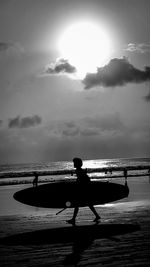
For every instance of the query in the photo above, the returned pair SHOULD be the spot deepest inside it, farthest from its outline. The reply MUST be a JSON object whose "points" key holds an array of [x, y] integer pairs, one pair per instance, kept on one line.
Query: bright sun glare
{"points": [[86, 46]]}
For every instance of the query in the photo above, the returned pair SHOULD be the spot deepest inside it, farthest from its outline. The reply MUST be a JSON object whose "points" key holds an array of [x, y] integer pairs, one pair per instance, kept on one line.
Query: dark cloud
{"points": [[76, 130], [61, 66], [89, 132], [71, 131], [70, 124], [14, 47], [70, 128], [88, 126], [80, 128], [1, 122], [80, 131], [117, 72], [139, 48], [25, 122], [147, 97], [4, 46]]}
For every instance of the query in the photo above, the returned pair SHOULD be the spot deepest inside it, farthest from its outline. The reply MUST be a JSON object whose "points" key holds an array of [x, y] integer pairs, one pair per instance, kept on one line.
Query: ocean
{"points": [[65, 165]]}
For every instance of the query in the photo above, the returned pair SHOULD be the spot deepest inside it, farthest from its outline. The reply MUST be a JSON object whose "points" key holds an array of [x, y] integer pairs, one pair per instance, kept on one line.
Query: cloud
{"points": [[4, 46], [109, 124], [89, 132], [1, 122], [70, 128], [61, 66], [25, 122], [71, 132], [147, 97], [117, 72], [78, 128], [11, 47], [139, 48]]}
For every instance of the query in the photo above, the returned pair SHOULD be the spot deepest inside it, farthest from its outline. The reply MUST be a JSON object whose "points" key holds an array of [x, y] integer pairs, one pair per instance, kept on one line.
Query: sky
{"points": [[70, 89]]}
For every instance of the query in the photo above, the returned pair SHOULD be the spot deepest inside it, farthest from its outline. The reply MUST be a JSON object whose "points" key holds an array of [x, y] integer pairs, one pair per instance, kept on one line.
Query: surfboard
{"points": [[70, 194]]}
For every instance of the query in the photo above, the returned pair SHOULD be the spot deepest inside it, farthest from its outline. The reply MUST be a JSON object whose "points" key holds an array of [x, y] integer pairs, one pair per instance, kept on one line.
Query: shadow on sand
{"points": [[81, 237]]}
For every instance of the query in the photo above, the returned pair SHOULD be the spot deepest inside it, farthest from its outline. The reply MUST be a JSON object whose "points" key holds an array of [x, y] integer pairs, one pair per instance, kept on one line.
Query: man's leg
{"points": [[72, 221], [95, 213], [76, 209]]}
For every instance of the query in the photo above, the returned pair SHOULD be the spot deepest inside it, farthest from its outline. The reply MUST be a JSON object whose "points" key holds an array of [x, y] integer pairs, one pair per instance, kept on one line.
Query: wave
{"points": [[97, 169]]}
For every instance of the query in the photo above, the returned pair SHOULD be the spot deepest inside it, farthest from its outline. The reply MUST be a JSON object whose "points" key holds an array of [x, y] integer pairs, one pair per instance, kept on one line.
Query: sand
{"points": [[37, 237]]}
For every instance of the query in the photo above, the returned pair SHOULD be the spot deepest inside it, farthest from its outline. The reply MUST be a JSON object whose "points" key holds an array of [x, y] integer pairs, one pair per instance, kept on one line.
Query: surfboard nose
{"points": [[17, 196]]}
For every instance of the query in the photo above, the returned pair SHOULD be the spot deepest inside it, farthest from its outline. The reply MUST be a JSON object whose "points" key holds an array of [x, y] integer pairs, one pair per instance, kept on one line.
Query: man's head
{"points": [[77, 162]]}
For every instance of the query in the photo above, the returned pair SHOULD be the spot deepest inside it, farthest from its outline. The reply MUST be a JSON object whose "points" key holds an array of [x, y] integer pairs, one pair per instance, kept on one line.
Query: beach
{"points": [[74, 133], [32, 236]]}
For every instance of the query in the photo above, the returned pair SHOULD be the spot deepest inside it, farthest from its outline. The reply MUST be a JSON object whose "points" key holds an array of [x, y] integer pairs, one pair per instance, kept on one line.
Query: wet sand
{"points": [[37, 237]]}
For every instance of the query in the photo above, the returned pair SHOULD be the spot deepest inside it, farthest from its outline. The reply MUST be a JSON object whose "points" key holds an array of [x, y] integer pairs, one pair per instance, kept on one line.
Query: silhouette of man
{"points": [[35, 180], [83, 180]]}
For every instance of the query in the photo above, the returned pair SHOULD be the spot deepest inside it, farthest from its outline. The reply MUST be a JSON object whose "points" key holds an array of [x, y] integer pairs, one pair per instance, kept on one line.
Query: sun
{"points": [[86, 46]]}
